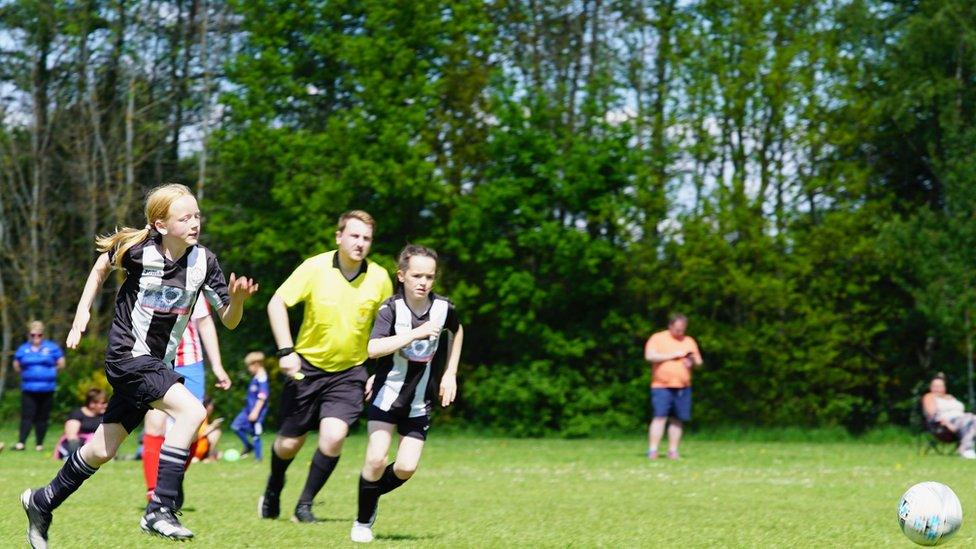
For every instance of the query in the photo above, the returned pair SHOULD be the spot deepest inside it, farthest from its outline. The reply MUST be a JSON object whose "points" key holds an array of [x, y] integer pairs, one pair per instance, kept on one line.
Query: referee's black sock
{"points": [[74, 471], [369, 498], [169, 483], [389, 481], [276, 480], [319, 472]]}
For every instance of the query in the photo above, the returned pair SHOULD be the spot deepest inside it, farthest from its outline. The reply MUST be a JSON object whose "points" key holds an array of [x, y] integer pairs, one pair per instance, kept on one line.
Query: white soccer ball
{"points": [[929, 513]]}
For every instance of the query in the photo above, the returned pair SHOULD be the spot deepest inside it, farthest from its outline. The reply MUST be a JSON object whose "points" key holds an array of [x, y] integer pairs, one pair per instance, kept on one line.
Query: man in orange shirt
{"points": [[672, 355]]}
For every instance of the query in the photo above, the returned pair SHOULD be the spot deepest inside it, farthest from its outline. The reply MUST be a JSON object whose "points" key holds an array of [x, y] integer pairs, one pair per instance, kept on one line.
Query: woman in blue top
{"points": [[38, 362]]}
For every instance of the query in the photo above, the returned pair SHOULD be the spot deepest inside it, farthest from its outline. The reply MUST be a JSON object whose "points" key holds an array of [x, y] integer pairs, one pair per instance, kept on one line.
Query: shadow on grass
{"points": [[405, 537], [348, 519], [187, 509]]}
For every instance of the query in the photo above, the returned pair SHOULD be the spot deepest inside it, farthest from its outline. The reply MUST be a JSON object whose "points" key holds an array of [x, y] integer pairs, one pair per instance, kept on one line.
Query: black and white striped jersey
{"points": [[406, 380], [156, 300]]}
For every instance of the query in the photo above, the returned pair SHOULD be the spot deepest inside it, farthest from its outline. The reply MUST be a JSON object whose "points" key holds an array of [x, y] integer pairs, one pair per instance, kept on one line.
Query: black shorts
{"points": [[136, 383], [413, 427], [321, 394]]}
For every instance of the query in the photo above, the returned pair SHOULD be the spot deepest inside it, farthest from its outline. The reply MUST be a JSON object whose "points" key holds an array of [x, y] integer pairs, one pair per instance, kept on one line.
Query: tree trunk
{"points": [[969, 359], [205, 114], [39, 140], [6, 330]]}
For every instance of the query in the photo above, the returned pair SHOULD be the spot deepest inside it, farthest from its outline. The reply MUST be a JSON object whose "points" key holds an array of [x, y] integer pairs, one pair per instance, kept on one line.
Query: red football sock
{"points": [[150, 460]]}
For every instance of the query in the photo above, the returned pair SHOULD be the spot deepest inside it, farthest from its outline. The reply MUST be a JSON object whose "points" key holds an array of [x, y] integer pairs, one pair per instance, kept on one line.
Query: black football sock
{"points": [[389, 481], [169, 483], [276, 480], [74, 471], [318, 472], [369, 498]]}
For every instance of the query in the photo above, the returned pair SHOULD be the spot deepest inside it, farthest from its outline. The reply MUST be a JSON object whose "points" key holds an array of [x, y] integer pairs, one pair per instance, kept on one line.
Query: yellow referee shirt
{"points": [[338, 313]]}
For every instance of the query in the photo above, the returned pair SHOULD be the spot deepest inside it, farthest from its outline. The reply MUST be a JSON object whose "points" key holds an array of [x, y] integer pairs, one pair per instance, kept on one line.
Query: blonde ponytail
{"points": [[120, 241], [158, 203]]}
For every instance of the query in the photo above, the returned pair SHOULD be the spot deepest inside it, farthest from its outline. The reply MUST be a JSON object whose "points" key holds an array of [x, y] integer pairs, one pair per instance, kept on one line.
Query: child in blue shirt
{"points": [[248, 423]]}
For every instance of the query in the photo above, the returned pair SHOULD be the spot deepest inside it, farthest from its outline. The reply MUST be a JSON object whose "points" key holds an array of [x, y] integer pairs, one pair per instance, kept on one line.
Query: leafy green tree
{"points": [[344, 105], [919, 138]]}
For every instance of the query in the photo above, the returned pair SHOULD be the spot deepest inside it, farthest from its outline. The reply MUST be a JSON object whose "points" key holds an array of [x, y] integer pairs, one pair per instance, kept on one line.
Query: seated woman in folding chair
{"points": [[941, 408]]}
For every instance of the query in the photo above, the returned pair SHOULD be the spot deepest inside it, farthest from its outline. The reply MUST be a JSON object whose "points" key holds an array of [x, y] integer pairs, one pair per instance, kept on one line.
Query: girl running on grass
{"points": [[405, 339], [165, 271]]}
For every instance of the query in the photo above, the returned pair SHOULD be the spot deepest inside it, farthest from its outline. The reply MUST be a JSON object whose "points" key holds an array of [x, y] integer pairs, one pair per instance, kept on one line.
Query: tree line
{"points": [[795, 176]]}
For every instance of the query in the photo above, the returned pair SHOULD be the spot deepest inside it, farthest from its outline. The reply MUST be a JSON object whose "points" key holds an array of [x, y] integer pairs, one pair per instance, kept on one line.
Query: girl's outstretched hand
{"points": [[241, 288]]}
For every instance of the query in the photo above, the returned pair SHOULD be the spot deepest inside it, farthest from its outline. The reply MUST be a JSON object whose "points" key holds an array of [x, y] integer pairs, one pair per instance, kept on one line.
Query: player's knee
{"points": [[331, 444], [375, 464], [98, 455], [195, 413], [405, 470], [286, 448]]}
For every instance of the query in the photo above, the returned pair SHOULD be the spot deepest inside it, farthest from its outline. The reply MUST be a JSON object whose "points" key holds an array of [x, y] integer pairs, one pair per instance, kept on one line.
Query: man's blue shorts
{"points": [[671, 402], [194, 378]]}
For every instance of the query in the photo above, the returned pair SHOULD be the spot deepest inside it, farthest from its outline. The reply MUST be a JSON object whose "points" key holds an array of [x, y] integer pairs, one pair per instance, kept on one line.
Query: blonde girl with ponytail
{"points": [[166, 269]]}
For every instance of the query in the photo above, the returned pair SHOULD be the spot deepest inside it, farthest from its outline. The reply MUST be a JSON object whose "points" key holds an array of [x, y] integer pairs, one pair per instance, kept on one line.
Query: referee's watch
{"points": [[284, 352]]}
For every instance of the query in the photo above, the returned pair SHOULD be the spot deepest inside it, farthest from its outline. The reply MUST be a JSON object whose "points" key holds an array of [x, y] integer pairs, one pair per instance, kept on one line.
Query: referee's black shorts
{"points": [[321, 394]]}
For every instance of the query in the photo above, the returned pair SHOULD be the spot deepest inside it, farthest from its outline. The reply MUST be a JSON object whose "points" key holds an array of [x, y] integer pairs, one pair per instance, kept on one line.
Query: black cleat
{"points": [[163, 522], [269, 505], [303, 513], [38, 521]]}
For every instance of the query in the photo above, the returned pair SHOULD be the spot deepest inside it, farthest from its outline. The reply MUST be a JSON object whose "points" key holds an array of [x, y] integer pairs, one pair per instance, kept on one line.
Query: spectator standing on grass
{"points": [[672, 354], [38, 362]]}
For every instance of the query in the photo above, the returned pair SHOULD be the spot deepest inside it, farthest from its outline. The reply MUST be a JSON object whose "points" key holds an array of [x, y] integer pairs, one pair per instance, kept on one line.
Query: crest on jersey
{"points": [[420, 350], [166, 299]]}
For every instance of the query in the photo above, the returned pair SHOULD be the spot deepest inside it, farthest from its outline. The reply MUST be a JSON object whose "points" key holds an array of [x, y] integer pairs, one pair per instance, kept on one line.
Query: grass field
{"points": [[483, 492]]}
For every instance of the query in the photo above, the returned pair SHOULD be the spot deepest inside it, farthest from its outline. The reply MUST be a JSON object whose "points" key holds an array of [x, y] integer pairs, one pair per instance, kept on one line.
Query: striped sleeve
{"points": [[452, 323], [385, 316], [214, 286]]}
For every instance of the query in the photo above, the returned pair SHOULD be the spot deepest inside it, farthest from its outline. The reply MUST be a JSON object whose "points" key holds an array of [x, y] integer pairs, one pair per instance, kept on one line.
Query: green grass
{"points": [[493, 492]]}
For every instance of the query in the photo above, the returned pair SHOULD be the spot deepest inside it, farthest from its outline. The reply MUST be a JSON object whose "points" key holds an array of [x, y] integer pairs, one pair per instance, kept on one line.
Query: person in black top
{"points": [[406, 338], [82, 423], [165, 271]]}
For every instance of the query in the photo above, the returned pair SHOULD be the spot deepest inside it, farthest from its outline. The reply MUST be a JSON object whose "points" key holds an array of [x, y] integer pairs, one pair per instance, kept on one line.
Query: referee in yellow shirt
{"points": [[326, 377]]}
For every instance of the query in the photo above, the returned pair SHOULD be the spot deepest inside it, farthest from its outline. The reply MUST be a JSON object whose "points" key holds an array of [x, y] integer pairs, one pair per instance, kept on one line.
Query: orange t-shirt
{"points": [[671, 373]]}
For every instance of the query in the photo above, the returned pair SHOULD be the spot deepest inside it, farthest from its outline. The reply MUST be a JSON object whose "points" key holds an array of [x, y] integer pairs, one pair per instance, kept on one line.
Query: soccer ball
{"points": [[929, 513], [231, 455]]}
